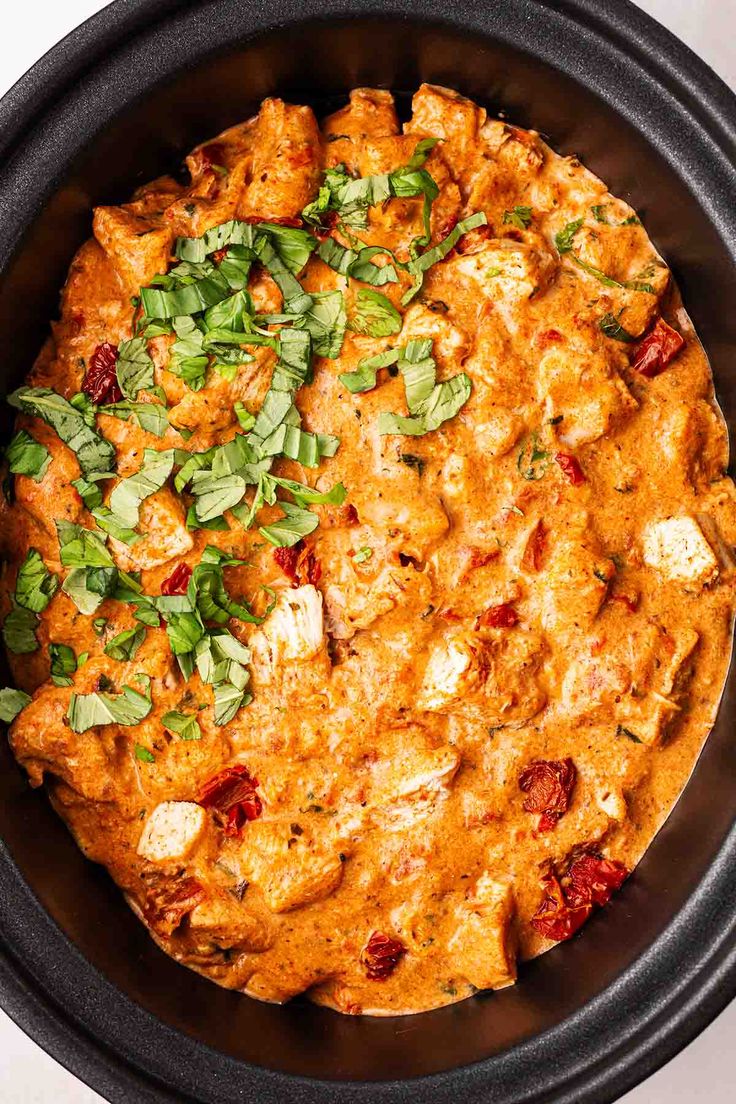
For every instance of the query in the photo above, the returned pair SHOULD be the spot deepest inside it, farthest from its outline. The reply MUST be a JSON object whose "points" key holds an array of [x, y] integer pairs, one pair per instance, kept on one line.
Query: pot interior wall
{"points": [[317, 63]]}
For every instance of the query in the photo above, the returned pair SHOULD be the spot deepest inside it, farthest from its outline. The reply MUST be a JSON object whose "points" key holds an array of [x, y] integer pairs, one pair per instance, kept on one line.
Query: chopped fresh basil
{"points": [[326, 321], [63, 664], [374, 315], [35, 585], [611, 327], [92, 451], [564, 238], [183, 724], [430, 403], [520, 217], [365, 375], [288, 530], [80, 547], [26, 456], [128, 708], [621, 731], [532, 461], [246, 420], [363, 554], [599, 213], [419, 265], [11, 703], [358, 264], [89, 491], [143, 754], [151, 417], [19, 630], [124, 646], [564, 242], [134, 367], [129, 493]]}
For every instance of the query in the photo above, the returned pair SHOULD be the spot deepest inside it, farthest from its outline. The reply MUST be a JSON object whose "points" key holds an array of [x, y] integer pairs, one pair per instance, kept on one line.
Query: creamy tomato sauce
{"points": [[418, 723]]}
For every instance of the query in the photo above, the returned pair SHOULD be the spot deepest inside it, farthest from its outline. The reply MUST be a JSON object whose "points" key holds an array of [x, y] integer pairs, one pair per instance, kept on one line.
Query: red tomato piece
{"points": [[570, 468], [233, 797], [659, 347], [499, 617], [178, 580], [548, 784], [101, 381], [593, 880], [381, 955]]}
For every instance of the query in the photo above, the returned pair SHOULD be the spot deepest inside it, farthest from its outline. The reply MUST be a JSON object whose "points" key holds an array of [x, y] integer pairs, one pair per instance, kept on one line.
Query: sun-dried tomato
{"points": [[570, 468], [101, 380], [548, 784], [277, 220], [381, 955], [556, 918], [287, 559], [593, 880], [658, 348], [178, 580], [498, 617], [232, 795], [299, 564], [169, 903], [533, 557]]}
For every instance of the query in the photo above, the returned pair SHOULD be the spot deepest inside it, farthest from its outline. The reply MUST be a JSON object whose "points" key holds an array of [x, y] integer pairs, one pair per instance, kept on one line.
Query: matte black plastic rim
{"points": [[680, 983]]}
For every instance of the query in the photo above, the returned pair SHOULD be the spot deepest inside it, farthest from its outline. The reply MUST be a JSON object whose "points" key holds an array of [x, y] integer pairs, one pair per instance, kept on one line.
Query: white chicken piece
{"points": [[509, 272], [410, 786], [450, 344], [677, 549], [585, 391], [172, 831], [294, 629], [165, 535], [291, 871], [482, 945], [494, 674]]}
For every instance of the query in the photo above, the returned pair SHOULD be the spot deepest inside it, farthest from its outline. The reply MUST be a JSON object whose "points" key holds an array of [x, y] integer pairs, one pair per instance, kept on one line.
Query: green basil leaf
{"points": [[564, 238], [129, 493], [151, 417], [246, 420], [183, 724], [26, 456], [128, 708], [88, 586], [419, 265], [184, 630], [111, 524], [11, 703], [143, 754], [532, 461], [228, 700], [187, 358], [293, 245], [63, 664], [375, 315], [364, 377], [19, 630], [326, 321], [89, 491], [35, 585], [599, 213], [80, 547], [190, 298], [124, 646], [295, 524], [134, 367], [611, 327], [93, 452], [520, 217]]}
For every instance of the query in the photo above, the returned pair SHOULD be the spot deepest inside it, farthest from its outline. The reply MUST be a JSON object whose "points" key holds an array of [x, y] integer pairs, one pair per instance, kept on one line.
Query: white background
{"points": [[707, 1068]]}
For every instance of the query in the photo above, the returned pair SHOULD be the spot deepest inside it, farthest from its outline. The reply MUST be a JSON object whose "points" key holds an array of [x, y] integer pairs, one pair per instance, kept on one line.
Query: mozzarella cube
{"points": [[294, 629], [677, 549], [172, 831]]}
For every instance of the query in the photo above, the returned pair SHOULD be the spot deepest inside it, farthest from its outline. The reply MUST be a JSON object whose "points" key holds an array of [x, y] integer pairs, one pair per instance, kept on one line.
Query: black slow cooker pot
{"points": [[115, 104]]}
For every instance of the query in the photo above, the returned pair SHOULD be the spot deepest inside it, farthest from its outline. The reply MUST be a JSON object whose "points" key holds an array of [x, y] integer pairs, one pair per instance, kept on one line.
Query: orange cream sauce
{"points": [[391, 720]]}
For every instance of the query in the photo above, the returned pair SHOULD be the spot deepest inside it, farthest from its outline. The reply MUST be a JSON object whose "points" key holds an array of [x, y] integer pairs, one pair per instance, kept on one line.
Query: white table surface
{"points": [[707, 1068]]}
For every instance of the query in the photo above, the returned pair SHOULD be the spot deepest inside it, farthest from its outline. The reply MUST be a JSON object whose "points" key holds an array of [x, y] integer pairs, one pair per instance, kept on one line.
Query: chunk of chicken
{"points": [[509, 273], [677, 549], [165, 535], [371, 111], [482, 944], [585, 391], [443, 113], [290, 870], [285, 162], [494, 675], [137, 249], [172, 831]]}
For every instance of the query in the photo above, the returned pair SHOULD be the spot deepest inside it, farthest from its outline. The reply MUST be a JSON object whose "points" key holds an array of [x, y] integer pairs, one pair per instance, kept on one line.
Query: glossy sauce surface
{"points": [[489, 671]]}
